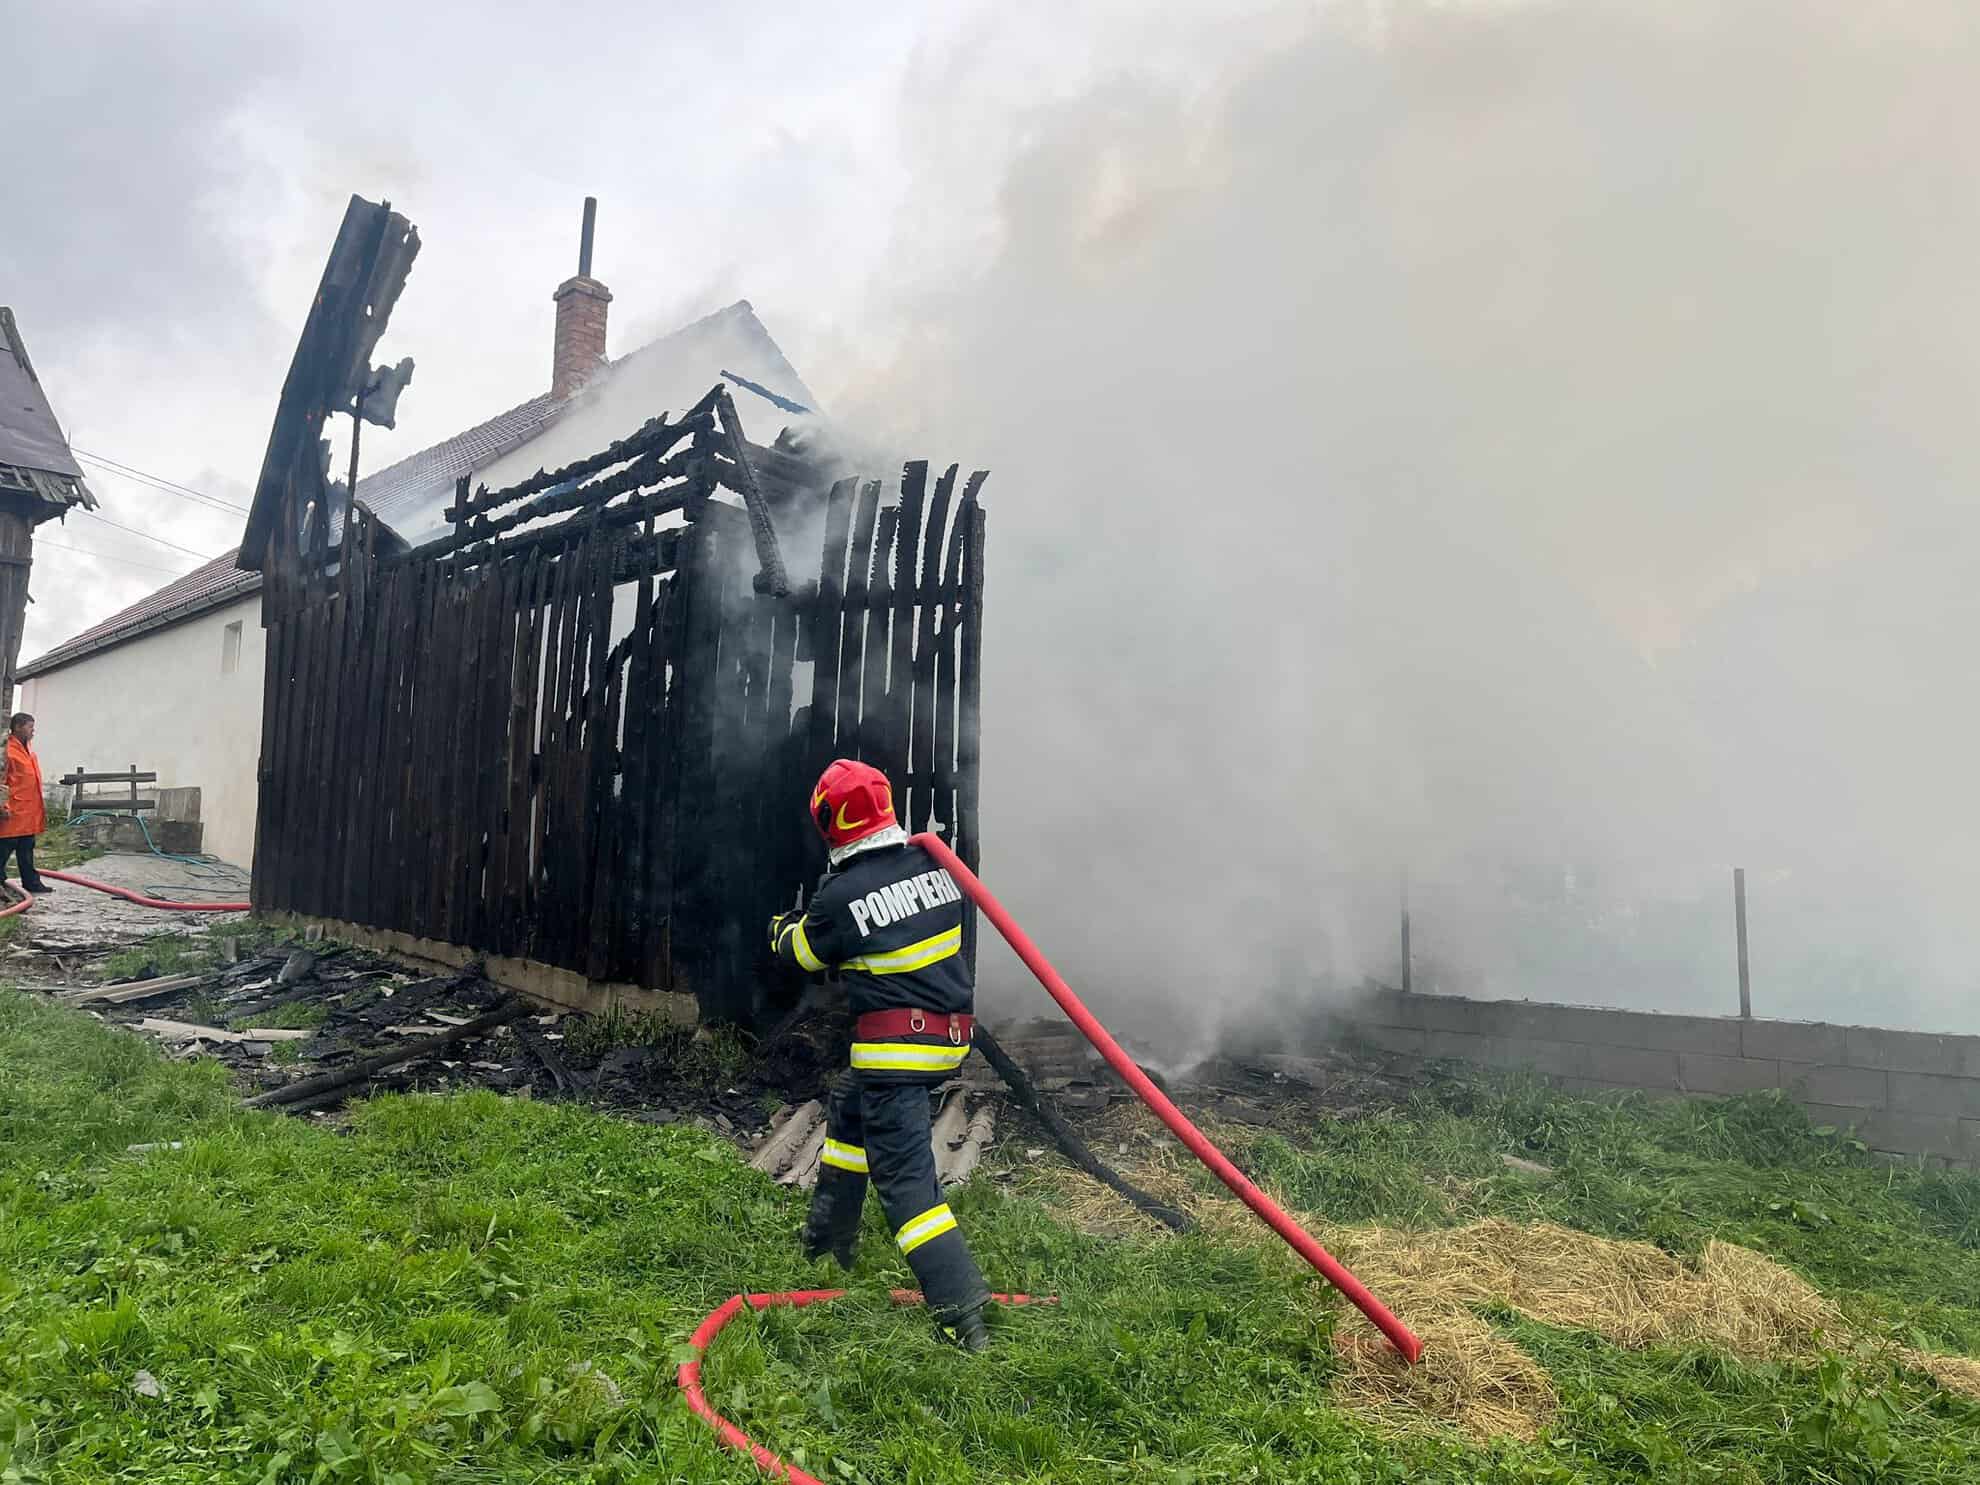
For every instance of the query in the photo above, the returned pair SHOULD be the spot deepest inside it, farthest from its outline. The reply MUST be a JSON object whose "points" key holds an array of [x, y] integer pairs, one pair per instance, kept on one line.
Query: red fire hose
{"points": [[27, 897], [142, 901], [1301, 1241], [688, 1377]]}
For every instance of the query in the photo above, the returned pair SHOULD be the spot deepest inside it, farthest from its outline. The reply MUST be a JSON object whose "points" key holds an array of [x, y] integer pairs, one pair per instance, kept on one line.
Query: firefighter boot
{"points": [[832, 1224], [967, 1330]]}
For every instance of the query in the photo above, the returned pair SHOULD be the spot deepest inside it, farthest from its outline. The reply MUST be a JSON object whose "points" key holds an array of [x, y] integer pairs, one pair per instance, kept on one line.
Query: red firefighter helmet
{"points": [[851, 802]]}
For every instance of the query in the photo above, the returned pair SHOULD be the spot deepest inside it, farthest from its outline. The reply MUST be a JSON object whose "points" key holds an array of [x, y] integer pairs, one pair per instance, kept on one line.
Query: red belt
{"points": [[879, 1025]]}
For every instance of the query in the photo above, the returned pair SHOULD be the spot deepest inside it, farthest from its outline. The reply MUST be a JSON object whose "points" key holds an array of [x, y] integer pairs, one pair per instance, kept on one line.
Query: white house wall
{"points": [[165, 702]]}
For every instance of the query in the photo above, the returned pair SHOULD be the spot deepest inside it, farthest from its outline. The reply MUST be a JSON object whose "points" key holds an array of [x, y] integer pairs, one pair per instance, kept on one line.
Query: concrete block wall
{"points": [[1903, 1092]]}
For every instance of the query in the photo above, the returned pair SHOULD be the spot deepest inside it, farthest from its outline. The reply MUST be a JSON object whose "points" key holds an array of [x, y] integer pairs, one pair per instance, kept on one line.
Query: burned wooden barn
{"points": [[579, 729]]}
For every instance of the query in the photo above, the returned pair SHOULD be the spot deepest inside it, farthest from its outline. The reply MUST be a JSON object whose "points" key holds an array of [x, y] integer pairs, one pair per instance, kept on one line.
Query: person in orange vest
{"points": [[23, 815]]}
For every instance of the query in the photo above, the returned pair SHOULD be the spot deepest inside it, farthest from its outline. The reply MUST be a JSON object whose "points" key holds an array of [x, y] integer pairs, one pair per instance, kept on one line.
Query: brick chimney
{"points": [[581, 302]]}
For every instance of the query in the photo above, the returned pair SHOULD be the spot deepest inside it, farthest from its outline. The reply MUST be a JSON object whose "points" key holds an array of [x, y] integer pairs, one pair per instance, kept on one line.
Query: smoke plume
{"points": [[1527, 447]]}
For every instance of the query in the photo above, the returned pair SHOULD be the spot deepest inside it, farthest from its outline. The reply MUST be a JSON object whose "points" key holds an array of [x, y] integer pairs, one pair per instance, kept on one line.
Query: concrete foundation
{"points": [[1903, 1092], [124, 833], [544, 982]]}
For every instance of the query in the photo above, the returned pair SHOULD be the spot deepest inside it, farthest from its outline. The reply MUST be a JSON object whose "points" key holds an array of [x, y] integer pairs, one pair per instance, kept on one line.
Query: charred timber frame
{"points": [[459, 743]]}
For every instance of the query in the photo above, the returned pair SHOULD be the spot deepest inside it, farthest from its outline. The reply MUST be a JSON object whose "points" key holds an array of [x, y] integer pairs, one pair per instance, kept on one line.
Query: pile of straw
{"points": [[1631, 1294], [1471, 1376]]}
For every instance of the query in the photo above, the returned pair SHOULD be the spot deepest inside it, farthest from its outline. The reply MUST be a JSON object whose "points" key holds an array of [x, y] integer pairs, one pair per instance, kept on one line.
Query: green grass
{"points": [[698, 1059], [57, 848], [1896, 1246], [432, 1293]]}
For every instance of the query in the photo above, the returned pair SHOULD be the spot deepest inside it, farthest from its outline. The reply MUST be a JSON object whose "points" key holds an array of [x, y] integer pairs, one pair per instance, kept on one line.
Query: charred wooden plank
{"points": [[443, 755], [522, 749], [948, 607], [900, 650], [772, 578], [595, 765], [670, 478], [333, 797], [773, 820], [308, 637], [269, 838], [560, 1075], [388, 750], [654, 433], [969, 756], [543, 924], [805, 597], [588, 751], [826, 619], [754, 885], [409, 816], [852, 649], [346, 812], [455, 659], [921, 748], [491, 754], [365, 739], [359, 669], [370, 1067], [607, 843], [492, 794], [728, 847], [308, 796], [665, 785], [701, 576], [635, 799], [873, 717], [1067, 1138], [969, 839], [272, 686]]}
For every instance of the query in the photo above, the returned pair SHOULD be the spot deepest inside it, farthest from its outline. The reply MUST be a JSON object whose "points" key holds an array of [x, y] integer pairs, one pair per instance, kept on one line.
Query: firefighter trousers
{"points": [[880, 1127]]}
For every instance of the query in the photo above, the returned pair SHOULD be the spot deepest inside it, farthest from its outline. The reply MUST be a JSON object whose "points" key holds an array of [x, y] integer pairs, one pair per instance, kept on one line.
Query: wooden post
{"points": [[1407, 979], [344, 541], [1739, 925], [17, 516]]}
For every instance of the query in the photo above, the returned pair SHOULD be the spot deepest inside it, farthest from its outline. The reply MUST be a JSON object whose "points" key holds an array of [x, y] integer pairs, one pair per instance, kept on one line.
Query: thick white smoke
{"points": [[1530, 446]]}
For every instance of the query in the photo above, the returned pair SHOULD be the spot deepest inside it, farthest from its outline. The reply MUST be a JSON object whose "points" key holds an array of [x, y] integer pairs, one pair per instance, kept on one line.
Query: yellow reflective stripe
{"points": [[845, 1157], [801, 946], [930, 1224], [907, 1057], [914, 956]]}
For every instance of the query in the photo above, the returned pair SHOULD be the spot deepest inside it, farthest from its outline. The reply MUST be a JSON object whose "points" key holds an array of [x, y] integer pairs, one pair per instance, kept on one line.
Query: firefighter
{"points": [[889, 921]]}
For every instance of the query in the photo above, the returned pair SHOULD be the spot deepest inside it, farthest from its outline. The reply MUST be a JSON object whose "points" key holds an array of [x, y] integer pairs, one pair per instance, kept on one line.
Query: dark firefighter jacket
{"points": [[889, 921]]}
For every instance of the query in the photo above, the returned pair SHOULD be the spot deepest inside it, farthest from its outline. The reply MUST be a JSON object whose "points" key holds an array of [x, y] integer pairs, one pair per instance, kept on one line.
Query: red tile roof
{"points": [[397, 490], [398, 493], [206, 587]]}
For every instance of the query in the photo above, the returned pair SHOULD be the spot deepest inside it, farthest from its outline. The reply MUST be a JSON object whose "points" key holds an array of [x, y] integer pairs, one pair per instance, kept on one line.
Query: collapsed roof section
{"points": [[299, 514], [294, 501], [675, 371]]}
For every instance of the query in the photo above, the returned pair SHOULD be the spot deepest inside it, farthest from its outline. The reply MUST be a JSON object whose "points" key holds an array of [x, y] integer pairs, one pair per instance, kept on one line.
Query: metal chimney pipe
{"points": [[584, 244]]}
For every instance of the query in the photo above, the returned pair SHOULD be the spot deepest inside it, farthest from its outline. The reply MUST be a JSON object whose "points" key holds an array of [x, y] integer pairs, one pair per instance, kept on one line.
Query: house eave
{"points": [[179, 613]]}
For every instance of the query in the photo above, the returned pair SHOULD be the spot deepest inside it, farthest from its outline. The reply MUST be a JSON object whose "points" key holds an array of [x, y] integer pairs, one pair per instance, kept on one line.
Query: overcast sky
{"points": [[175, 175]]}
